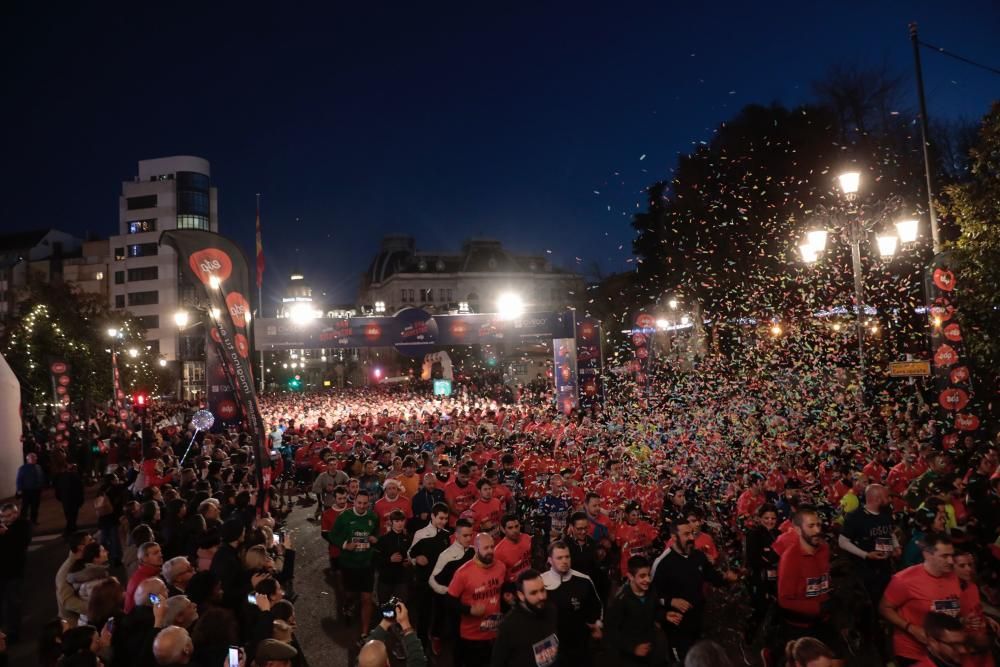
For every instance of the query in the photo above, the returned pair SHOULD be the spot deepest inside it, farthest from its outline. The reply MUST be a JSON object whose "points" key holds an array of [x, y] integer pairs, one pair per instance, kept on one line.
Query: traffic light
{"points": [[139, 403], [295, 383]]}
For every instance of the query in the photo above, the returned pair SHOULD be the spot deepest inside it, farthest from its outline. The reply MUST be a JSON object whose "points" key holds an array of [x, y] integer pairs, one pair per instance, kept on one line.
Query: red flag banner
{"points": [[216, 263]]}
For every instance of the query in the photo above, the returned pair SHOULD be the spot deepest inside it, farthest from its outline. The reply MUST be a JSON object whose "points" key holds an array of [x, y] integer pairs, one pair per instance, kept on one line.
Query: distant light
{"points": [[850, 182], [775, 330], [301, 313], [662, 324], [163, 363], [377, 372], [809, 255], [937, 322], [133, 352], [510, 306], [908, 230], [216, 313], [181, 318], [836, 326], [214, 282], [817, 239], [295, 364], [284, 365], [685, 319], [886, 246], [112, 332], [380, 306], [463, 307], [323, 358], [673, 304]]}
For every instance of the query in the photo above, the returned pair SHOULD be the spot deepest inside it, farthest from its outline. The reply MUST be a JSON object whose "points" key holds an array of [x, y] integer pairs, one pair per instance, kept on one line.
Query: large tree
{"points": [[975, 205], [60, 322]]}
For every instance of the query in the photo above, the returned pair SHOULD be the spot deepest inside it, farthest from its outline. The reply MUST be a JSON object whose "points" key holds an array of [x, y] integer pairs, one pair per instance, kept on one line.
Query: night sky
{"points": [[538, 123]]}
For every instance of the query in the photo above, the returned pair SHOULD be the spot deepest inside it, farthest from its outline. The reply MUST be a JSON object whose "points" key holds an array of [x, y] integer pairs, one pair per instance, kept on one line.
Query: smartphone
{"points": [[154, 599], [252, 599], [276, 539], [111, 624], [234, 656]]}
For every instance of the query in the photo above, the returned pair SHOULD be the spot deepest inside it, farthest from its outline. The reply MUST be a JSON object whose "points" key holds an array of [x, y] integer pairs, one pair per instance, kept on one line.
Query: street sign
{"points": [[904, 369]]}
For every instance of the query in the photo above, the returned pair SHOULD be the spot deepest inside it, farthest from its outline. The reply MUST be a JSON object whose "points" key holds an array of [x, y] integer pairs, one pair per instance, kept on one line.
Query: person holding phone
{"points": [[374, 653]]}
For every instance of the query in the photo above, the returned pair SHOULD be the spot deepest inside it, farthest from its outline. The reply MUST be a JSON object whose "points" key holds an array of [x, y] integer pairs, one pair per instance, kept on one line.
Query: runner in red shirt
{"points": [[486, 511], [514, 550], [917, 590], [392, 500], [330, 514], [751, 499], [977, 624], [475, 589], [460, 493]]}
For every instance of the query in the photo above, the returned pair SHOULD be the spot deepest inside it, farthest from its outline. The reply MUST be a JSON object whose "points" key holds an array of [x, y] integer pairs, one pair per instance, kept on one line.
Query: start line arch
{"points": [[576, 344]]}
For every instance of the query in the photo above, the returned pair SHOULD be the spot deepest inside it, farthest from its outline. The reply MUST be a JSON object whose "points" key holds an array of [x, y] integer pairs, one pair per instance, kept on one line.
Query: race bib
{"points": [[360, 542], [816, 586], [546, 651], [883, 545], [490, 623], [950, 606]]}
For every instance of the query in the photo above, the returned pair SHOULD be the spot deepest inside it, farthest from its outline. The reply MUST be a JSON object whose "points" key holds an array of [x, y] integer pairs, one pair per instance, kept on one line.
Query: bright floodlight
{"points": [[907, 230], [112, 332], [181, 318], [775, 329], [817, 239], [301, 312], [214, 282], [850, 182], [380, 306], [886, 246], [510, 306], [132, 352], [808, 253], [673, 304], [662, 324], [163, 363]]}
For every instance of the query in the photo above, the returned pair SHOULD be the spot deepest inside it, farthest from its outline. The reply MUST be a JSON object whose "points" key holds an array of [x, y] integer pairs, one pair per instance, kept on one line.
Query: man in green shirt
{"points": [[355, 531]]}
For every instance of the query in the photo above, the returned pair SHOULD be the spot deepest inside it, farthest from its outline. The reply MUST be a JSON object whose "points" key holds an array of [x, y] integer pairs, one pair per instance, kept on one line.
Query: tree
{"points": [[60, 322], [975, 206]]}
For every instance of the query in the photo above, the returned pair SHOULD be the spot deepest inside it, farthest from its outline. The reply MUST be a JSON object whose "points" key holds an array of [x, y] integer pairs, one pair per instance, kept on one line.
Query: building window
{"points": [[426, 295], [153, 346], [119, 300], [119, 277], [143, 298], [149, 322], [409, 293], [145, 273], [446, 295], [119, 254], [192, 222], [99, 275], [191, 201], [145, 201], [143, 249], [140, 226], [192, 180]]}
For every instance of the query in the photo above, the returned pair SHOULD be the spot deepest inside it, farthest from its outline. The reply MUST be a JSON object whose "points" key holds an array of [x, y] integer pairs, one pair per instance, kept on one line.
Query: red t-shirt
{"points": [[384, 506], [515, 556], [459, 499], [474, 584], [804, 579], [748, 503], [326, 525], [638, 536], [485, 511], [913, 592]]}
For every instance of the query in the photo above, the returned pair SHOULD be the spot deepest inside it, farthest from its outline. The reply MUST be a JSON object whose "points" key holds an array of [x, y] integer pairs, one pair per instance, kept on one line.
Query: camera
{"points": [[389, 608]]}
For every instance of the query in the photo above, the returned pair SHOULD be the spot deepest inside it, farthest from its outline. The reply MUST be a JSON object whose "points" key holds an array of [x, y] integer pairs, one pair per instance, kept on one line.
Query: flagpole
{"points": [[260, 306]]}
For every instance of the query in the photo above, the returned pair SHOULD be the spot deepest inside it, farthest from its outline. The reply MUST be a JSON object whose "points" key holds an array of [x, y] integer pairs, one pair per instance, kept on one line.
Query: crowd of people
{"points": [[758, 507]]}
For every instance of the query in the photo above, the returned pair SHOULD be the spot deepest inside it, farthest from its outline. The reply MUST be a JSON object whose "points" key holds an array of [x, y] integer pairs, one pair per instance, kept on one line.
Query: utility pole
{"points": [[924, 140]]}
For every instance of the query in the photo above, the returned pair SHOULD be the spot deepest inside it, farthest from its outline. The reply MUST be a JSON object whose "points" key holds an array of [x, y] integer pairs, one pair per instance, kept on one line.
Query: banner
{"points": [[590, 361], [59, 371], [220, 397], [953, 382], [220, 267], [564, 374]]}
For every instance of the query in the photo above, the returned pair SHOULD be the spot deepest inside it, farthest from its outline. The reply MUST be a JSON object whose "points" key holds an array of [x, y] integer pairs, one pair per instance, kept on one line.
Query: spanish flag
{"points": [[260, 250]]}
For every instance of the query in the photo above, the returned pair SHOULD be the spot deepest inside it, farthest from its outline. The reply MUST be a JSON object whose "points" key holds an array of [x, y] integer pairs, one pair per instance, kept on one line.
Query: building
{"points": [[168, 193], [471, 280], [47, 256]]}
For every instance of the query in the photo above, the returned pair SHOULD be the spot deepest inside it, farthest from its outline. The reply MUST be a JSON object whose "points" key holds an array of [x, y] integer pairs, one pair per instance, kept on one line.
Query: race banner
{"points": [[220, 397], [59, 372], [219, 265], [953, 382], [564, 374], [589, 361], [118, 405]]}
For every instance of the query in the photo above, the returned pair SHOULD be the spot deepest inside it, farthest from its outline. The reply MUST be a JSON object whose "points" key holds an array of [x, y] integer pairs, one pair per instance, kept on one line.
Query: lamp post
{"points": [[815, 243], [183, 321]]}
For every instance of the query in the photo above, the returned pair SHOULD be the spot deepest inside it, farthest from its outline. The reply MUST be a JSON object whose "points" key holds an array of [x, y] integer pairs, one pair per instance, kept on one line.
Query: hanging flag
{"points": [[218, 264], [260, 251]]}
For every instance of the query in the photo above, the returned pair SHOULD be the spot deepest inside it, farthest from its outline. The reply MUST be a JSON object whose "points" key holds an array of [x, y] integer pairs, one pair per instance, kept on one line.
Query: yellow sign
{"points": [[899, 369]]}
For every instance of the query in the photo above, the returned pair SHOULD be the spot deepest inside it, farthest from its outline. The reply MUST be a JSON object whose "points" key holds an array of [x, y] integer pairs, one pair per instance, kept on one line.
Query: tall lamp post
{"points": [[815, 243]]}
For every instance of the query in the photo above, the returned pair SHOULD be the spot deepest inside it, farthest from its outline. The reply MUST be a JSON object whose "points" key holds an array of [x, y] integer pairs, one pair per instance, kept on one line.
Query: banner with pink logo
{"points": [[219, 265], [953, 381]]}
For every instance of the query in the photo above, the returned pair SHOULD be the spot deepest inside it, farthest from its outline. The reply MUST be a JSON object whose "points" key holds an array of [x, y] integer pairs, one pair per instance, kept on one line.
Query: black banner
{"points": [[953, 380], [219, 265], [221, 398], [589, 361]]}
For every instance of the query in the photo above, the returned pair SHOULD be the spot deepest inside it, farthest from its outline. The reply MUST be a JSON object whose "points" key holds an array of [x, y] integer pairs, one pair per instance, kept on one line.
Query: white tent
{"points": [[11, 456]]}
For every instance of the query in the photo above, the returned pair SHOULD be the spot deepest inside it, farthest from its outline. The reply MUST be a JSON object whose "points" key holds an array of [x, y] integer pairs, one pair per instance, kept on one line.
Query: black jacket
{"points": [[577, 604], [226, 565], [14, 549], [391, 573], [679, 576], [631, 621], [431, 547], [527, 638]]}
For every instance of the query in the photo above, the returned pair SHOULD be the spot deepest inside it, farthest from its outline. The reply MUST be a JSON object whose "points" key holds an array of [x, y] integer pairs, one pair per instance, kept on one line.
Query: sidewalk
{"points": [[50, 514]]}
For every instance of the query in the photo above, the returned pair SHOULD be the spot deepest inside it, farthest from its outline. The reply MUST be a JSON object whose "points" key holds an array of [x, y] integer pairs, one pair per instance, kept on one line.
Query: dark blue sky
{"points": [[535, 122]]}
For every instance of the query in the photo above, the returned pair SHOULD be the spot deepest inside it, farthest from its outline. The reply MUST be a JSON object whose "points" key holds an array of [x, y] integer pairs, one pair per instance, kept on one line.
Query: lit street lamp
{"points": [[510, 306], [815, 243]]}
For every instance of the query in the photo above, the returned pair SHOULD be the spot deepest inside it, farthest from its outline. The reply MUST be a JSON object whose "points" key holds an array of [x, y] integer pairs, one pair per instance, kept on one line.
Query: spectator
{"points": [[15, 538], [68, 486], [69, 602], [177, 572], [150, 560], [374, 654], [707, 654], [172, 647], [808, 652], [273, 653], [30, 482]]}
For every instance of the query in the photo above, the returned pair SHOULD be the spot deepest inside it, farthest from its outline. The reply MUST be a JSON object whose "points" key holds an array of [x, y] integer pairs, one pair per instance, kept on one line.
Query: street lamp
{"points": [[112, 332], [163, 363], [380, 306], [181, 318], [850, 183], [908, 230], [673, 304], [886, 246], [510, 306]]}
